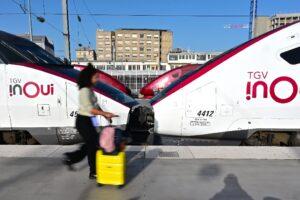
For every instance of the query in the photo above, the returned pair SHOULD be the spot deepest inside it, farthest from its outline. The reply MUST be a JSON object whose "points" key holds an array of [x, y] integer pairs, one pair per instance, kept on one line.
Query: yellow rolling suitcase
{"points": [[110, 169]]}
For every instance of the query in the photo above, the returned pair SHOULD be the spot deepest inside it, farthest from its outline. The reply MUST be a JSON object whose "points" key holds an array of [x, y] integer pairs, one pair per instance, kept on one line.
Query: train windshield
{"points": [[115, 94], [163, 93], [14, 49]]}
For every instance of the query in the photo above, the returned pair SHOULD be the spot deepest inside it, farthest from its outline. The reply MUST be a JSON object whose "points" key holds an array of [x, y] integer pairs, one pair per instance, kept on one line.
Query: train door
{"points": [[4, 116], [71, 101], [200, 110]]}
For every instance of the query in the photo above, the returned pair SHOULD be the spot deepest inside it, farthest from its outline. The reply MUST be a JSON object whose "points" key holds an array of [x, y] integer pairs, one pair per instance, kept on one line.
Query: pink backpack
{"points": [[107, 139]]}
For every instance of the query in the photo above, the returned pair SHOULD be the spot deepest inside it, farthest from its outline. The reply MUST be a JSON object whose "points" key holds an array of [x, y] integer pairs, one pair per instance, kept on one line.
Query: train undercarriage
{"points": [[141, 129]]}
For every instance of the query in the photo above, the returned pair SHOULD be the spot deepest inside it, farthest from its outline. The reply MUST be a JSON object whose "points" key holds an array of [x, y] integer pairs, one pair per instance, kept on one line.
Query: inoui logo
{"points": [[29, 89], [269, 90]]}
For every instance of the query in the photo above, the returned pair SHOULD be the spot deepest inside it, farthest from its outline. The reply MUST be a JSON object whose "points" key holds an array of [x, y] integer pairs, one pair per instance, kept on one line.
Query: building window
{"points": [[292, 56], [162, 67], [134, 48], [201, 57], [141, 48], [142, 35], [149, 36], [148, 49], [173, 57], [134, 35]]}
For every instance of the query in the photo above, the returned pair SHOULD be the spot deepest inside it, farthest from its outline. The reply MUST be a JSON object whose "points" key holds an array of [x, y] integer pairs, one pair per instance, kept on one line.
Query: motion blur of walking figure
{"points": [[88, 109]]}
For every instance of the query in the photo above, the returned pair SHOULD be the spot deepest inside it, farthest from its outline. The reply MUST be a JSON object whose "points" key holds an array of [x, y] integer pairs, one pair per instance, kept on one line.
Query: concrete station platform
{"points": [[156, 172]]}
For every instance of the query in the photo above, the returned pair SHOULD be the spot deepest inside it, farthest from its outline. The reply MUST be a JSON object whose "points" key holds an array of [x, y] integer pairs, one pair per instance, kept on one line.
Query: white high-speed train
{"points": [[38, 100], [249, 92]]}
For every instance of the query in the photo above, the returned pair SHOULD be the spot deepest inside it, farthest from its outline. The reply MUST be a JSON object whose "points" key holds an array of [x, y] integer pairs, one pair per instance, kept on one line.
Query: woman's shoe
{"points": [[92, 176], [66, 161]]}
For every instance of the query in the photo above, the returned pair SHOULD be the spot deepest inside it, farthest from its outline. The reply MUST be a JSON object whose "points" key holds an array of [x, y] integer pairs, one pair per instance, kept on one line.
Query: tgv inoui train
{"points": [[250, 91], [39, 95], [108, 79]]}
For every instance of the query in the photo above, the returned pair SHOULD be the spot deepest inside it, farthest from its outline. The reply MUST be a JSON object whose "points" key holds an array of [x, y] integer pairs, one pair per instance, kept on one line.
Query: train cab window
{"points": [[10, 56], [292, 56]]}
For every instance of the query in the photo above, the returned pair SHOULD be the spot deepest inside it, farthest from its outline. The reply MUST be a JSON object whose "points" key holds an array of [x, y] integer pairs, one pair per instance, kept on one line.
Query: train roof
{"points": [[193, 75]]}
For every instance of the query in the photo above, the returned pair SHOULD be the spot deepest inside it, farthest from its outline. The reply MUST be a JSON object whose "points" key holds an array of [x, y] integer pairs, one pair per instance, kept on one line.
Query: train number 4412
{"points": [[205, 113]]}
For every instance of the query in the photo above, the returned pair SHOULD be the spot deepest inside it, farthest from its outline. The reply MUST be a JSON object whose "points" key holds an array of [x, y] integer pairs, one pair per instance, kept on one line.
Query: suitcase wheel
{"points": [[120, 187]]}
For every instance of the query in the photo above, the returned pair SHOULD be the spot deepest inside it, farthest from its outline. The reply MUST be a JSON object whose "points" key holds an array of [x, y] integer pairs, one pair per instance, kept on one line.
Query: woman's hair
{"points": [[85, 76]]}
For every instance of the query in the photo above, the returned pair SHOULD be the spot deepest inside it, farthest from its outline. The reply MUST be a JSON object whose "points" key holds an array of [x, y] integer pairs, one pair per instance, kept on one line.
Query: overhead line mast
{"points": [[66, 31], [253, 15]]}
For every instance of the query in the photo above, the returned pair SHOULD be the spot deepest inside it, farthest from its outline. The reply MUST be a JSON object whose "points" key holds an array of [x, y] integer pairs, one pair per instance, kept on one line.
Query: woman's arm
{"points": [[87, 104], [107, 115]]}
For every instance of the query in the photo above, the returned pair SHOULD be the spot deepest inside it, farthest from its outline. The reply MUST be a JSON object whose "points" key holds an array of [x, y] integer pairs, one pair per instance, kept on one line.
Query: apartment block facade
{"points": [[134, 45], [85, 54], [264, 24]]}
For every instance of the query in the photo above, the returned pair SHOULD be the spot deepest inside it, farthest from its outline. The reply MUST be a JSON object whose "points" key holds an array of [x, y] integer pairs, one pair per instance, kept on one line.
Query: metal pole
{"points": [[66, 29], [254, 17], [253, 14], [30, 21]]}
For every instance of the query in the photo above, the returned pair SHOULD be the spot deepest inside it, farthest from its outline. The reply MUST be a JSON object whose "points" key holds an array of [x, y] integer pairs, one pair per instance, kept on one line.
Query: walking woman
{"points": [[88, 109]]}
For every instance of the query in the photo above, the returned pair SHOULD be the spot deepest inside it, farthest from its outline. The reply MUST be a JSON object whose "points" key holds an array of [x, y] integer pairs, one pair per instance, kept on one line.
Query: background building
{"points": [[283, 19], [136, 75], [134, 45], [42, 41], [265, 23], [104, 45], [179, 57], [85, 54], [262, 25]]}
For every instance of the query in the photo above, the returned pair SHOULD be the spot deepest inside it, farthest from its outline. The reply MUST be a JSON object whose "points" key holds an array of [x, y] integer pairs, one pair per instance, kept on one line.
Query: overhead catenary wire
{"points": [[91, 14], [137, 15], [80, 22], [35, 14]]}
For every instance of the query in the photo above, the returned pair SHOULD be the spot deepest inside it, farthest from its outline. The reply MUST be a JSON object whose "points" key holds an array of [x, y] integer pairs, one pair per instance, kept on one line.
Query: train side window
{"points": [[292, 56]]}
